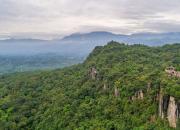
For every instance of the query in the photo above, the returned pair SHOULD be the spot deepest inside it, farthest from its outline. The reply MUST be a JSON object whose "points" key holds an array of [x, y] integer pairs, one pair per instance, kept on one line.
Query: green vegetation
{"points": [[69, 99], [21, 63]]}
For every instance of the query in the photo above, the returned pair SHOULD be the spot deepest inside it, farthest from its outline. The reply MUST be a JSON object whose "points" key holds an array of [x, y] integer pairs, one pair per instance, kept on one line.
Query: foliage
{"points": [[69, 99]]}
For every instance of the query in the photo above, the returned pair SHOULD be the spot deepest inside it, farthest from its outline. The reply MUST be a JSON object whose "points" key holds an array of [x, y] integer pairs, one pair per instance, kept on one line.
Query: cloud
{"points": [[69, 16]]}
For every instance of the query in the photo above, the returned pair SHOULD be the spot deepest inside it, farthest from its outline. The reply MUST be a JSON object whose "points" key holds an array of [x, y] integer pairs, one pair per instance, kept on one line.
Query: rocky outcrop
{"points": [[172, 72], [160, 107], [148, 86], [93, 73], [178, 109], [172, 113], [168, 107], [138, 95]]}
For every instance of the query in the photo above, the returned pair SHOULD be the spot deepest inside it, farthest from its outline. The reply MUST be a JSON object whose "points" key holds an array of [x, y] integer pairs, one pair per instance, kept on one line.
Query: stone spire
{"points": [[93, 73], [160, 108], [171, 113]]}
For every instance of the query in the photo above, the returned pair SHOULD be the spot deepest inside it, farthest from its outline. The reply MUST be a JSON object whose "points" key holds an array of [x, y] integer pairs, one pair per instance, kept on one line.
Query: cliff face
{"points": [[172, 113], [161, 112], [168, 108], [93, 73]]}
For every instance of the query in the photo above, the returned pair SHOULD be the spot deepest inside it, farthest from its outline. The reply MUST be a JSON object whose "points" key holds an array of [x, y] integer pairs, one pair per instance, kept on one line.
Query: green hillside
{"points": [[118, 87]]}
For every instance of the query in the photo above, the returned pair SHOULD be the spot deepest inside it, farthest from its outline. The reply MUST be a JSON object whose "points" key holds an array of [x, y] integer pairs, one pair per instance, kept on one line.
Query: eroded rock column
{"points": [[93, 73], [171, 113], [160, 111]]}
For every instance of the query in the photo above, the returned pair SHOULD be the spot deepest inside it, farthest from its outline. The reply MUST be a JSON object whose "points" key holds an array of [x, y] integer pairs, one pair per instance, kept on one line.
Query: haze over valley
{"points": [[18, 55], [81, 44]]}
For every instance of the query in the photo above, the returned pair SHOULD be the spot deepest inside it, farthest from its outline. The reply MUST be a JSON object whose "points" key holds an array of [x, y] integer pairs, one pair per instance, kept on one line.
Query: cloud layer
{"points": [[52, 17]]}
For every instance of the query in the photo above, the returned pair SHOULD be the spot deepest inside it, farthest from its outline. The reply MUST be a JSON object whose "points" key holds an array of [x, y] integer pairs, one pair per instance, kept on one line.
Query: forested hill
{"points": [[118, 87]]}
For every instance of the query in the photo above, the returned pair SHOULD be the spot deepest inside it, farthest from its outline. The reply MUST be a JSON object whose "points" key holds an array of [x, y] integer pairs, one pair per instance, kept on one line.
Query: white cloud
{"points": [[69, 16]]}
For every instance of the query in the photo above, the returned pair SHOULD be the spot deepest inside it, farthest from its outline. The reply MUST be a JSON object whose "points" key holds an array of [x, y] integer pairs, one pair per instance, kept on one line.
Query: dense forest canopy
{"points": [[24, 63], [118, 87]]}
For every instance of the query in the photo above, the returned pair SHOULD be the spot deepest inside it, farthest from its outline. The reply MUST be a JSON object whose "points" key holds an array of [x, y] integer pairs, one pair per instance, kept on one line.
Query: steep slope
{"points": [[119, 87]]}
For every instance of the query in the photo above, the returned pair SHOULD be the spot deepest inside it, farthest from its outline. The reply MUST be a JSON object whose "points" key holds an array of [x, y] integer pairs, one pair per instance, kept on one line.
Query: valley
{"points": [[21, 63]]}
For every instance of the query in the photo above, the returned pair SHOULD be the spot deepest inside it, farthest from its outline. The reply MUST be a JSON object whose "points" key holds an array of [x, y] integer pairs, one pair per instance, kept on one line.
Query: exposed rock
{"points": [[165, 104], [168, 108], [160, 108], [138, 95], [148, 86], [172, 112], [178, 74], [178, 109], [116, 92], [141, 94], [172, 72], [93, 73]]}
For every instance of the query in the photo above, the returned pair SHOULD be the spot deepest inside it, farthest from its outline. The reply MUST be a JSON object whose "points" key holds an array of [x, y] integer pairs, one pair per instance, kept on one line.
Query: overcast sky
{"points": [[54, 18]]}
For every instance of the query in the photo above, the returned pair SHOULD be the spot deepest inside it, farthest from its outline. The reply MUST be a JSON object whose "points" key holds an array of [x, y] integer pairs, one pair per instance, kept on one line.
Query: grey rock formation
{"points": [[148, 86], [160, 108], [139, 94], [171, 113], [93, 73], [168, 107]]}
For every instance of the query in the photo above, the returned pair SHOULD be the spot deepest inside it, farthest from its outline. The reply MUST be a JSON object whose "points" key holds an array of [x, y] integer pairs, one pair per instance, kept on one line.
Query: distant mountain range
{"points": [[19, 55], [81, 44], [151, 39]]}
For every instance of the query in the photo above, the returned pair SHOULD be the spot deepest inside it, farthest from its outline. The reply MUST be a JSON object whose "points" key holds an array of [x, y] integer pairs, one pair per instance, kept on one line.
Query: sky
{"points": [[48, 19]]}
